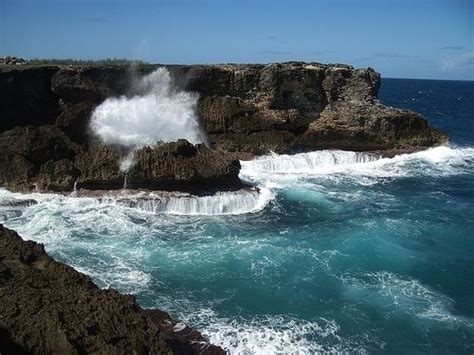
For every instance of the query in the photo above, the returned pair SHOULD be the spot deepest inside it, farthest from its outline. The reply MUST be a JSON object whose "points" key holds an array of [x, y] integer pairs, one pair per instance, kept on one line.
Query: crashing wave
{"points": [[221, 203], [443, 160], [278, 334], [306, 162]]}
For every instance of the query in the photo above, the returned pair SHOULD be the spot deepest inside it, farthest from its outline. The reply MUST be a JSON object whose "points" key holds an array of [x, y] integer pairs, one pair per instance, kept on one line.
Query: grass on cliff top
{"points": [[99, 62]]}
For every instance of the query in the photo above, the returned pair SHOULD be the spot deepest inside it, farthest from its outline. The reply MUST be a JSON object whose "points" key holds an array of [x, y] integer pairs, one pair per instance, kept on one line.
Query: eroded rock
{"points": [[246, 110], [47, 307]]}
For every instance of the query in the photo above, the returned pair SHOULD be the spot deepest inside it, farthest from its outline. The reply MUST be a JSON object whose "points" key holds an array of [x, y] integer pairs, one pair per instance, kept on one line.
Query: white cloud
{"points": [[462, 63]]}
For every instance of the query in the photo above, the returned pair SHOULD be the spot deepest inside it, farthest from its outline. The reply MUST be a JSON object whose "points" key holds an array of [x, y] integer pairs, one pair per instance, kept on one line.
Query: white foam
{"points": [[305, 162], [273, 334], [221, 203], [443, 160], [408, 295]]}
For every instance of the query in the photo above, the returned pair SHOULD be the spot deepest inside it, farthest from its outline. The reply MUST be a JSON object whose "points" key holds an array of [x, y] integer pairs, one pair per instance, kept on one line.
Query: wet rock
{"points": [[48, 307], [185, 167], [57, 176], [99, 167]]}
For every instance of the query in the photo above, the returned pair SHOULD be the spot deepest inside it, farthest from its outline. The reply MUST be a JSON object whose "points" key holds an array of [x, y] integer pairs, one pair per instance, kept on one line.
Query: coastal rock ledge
{"points": [[244, 109], [47, 307]]}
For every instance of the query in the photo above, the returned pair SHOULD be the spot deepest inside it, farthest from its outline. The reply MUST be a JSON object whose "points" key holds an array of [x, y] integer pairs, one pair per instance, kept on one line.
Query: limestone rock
{"points": [[76, 84], [182, 166], [99, 167], [26, 152]]}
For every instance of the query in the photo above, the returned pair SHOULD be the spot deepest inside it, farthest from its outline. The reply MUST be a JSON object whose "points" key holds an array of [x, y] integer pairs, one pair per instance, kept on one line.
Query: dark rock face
{"points": [[26, 97], [296, 107], [356, 126], [100, 167], [30, 153], [183, 166], [245, 109], [170, 166], [47, 307], [44, 158]]}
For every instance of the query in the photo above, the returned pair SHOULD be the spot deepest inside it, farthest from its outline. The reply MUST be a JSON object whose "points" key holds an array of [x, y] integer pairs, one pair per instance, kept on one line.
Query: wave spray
{"points": [[156, 113]]}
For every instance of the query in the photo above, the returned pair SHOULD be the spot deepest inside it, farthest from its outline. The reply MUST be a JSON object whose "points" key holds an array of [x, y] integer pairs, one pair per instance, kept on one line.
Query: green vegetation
{"points": [[107, 61]]}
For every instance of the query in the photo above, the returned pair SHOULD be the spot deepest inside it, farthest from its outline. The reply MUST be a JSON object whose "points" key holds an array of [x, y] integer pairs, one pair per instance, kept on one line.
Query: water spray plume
{"points": [[157, 113]]}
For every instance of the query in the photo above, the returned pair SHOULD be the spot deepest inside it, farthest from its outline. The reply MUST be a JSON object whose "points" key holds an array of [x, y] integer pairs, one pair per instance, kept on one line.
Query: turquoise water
{"points": [[338, 252]]}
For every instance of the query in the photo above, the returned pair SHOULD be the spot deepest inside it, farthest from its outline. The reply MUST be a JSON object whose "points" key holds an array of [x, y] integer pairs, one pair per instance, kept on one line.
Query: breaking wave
{"points": [[306, 162], [279, 334], [220, 203], [443, 160], [348, 259]]}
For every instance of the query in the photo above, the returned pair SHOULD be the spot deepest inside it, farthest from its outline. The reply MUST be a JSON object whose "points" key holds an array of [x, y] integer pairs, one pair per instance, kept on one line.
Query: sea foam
{"points": [[443, 160]]}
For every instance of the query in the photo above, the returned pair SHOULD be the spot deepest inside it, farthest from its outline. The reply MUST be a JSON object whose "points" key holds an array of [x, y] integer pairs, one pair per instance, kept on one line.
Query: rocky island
{"points": [[46, 144]]}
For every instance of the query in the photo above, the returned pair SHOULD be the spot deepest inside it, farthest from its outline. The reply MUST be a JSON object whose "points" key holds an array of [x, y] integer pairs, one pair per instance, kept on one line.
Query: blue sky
{"points": [[404, 38]]}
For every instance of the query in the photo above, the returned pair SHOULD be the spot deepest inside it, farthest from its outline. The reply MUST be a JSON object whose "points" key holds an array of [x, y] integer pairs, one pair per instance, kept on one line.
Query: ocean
{"points": [[337, 251]]}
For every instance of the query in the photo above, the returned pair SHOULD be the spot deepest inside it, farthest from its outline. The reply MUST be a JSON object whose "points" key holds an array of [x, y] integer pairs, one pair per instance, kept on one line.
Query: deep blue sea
{"points": [[338, 252]]}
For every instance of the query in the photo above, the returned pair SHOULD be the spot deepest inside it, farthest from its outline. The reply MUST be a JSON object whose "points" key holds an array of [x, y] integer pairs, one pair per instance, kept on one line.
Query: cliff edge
{"points": [[244, 109]]}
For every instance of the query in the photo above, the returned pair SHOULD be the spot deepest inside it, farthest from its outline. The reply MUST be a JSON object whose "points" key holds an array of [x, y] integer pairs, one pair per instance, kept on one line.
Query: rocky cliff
{"points": [[245, 109], [49, 308]]}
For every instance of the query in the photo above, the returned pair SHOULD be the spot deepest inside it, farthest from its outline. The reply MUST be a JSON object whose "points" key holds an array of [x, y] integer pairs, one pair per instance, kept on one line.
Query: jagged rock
{"points": [[182, 166], [237, 101], [296, 106], [77, 84], [47, 307], [256, 143], [355, 125], [99, 167], [38, 144], [24, 150], [16, 172], [57, 176], [170, 166], [246, 110], [45, 159], [74, 119]]}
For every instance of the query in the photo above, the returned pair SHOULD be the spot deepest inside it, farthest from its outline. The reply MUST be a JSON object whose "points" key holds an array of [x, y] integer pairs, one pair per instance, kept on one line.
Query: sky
{"points": [[431, 39]]}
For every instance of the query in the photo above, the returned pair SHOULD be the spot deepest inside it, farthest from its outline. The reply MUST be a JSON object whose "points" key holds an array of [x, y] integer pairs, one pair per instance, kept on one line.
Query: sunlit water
{"points": [[339, 251]]}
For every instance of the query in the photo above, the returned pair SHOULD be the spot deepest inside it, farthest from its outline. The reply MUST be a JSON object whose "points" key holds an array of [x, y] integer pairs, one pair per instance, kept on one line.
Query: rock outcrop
{"points": [[45, 159], [27, 96], [245, 110], [296, 107], [47, 307]]}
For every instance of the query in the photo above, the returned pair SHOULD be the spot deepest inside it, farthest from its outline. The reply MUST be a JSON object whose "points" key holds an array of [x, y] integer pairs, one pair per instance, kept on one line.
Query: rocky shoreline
{"points": [[48, 307], [245, 110]]}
